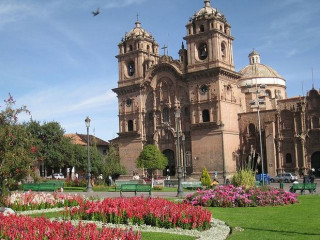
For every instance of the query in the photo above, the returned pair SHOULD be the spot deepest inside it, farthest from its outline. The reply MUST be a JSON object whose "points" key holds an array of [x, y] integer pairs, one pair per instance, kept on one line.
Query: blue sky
{"points": [[59, 60]]}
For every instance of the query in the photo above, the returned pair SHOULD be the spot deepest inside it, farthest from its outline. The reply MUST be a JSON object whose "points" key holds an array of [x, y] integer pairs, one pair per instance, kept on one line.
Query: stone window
{"points": [[131, 68], [201, 28], [223, 50], [252, 129], [205, 116], [202, 51], [130, 48], [128, 102], [130, 126], [203, 89], [288, 158], [165, 115], [186, 112]]}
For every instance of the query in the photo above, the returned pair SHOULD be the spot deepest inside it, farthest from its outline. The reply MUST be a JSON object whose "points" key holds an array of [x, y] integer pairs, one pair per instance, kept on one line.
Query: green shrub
{"points": [[205, 178], [244, 177]]}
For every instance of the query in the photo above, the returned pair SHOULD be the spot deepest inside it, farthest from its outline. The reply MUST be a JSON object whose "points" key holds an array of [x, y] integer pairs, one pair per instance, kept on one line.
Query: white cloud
{"points": [[56, 102]]}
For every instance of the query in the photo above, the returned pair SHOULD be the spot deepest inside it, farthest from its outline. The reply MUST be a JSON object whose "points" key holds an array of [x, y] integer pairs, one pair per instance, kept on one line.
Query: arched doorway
{"points": [[171, 163], [315, 163]]}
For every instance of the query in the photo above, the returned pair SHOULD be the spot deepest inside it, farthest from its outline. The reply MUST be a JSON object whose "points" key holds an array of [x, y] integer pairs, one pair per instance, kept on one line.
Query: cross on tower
{"points": [[137, 17], [164, 49]]}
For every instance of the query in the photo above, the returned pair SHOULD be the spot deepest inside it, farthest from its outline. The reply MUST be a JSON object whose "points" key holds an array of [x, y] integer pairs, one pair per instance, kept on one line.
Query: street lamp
{"points": [[184, 157], [256, 104], [177, 118], [89, 186]]}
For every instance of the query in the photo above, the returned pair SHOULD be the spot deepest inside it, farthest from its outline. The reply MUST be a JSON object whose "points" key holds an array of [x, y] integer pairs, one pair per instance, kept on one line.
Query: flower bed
{"points": [[20, 201], [230, 196], [138, 210], [24, 227]]}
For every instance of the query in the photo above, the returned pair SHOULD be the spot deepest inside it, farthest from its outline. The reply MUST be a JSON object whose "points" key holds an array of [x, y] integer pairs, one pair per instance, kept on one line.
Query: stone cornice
{"points": [[212, 73], [127, 89], [129, 134], [205, 125]]}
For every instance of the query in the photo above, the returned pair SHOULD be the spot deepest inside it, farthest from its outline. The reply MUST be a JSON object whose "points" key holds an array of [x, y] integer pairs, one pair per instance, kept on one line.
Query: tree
{"points": [[113, 167], [17, 147], [205, 178], [151, 158], [53, 148]]}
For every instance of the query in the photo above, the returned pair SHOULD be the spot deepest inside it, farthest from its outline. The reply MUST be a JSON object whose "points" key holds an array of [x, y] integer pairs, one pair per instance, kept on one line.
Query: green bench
{"points": [[170, 183], [311, 187], [41, 187], [192, 185], [118, 183], [135, 188]]}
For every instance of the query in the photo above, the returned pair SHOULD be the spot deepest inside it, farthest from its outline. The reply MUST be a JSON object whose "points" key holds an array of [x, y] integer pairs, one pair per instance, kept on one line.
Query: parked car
{"points": [[284, 177], [58, 176]]}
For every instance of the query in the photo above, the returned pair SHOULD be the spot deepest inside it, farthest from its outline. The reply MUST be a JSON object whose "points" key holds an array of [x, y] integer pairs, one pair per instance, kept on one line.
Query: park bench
{"points": [[59, 184], [170, 182], [118, 183], [43, 186], [135, 188], [192, 185], [303, 187]]}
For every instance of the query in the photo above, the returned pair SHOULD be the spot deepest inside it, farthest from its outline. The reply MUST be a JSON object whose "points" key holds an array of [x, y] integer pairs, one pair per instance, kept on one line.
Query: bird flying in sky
{"points": [[95, 13]]}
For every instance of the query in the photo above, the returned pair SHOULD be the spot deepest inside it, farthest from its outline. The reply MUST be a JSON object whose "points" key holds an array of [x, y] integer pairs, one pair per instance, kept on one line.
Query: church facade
{"points": [[198, 107]]}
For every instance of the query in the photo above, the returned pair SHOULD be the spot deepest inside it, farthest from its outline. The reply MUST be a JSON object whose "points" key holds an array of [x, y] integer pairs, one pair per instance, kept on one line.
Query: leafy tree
{"points": [[151, 158], [54, 149], [205, 178], [113, 167], [17, 147]]}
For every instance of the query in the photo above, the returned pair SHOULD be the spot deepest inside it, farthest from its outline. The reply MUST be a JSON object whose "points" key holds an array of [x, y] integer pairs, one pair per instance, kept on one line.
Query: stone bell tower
{"points": [[209, 40], [213, 92], [138, 51]]}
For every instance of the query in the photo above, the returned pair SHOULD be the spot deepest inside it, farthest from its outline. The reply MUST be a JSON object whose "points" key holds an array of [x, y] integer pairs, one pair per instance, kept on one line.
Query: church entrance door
{"points": [[170, 170], [315, 163]]}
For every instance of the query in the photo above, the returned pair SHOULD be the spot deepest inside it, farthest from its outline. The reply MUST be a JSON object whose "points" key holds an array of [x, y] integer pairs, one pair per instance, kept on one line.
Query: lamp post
{"points": [[256, 104], [184, 156], [89, 186], [177, 118]]}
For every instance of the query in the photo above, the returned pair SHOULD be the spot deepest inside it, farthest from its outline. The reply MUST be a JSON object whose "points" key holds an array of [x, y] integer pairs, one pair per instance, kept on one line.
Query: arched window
{"points": [[130, 126], [288, 158], [131, 68], [165, 115], [130, 48], [205, 116], [268, 93], [201, 28], [223, 50], [252, 129], [202, 51], [148, 48]]}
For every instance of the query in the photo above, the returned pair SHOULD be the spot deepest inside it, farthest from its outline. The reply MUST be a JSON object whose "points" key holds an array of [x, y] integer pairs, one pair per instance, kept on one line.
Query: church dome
{"points": [[207, 10], [258, 70], [138, 31], [262, 73]]}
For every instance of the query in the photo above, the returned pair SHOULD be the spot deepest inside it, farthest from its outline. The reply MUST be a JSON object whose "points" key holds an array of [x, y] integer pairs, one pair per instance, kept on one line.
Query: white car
{"points": [[58, 176]]}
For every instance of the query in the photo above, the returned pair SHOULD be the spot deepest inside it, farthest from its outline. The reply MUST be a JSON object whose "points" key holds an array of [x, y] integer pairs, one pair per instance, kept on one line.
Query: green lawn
{"points": [[299, 221]]}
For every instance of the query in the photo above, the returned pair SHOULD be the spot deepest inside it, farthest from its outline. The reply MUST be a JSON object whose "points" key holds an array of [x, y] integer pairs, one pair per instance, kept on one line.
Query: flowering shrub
{"points": [[25, 227], [20, 201], [138, 210], [230, 196], [75, 183]]}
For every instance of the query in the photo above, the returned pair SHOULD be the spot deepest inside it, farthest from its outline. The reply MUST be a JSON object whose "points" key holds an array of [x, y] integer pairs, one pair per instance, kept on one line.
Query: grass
{"points": [[299, 221]]}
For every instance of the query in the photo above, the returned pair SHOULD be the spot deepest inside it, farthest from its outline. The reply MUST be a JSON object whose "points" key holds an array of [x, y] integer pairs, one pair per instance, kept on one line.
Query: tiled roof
{"points": [[81, 139]]}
